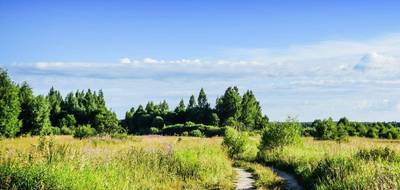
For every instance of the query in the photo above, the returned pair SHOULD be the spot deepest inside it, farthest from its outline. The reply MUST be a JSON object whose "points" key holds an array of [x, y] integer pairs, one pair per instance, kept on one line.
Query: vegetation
{"points": [[134, 163], [239, 145], [358, 164], [281, 134], [334, 154], [231, 109]]}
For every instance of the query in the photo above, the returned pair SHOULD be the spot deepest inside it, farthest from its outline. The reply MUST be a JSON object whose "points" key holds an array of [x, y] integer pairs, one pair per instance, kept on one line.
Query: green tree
{"points": [[229, 105], [181, 107], [27, 102], [163, 107], [41, 120], [325, 129], [192, 103], [55, 101], [202, 100], [251, 114], [9, 106]]}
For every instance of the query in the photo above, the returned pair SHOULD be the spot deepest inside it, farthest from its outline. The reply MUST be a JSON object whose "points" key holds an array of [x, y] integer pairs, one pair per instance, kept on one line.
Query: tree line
{"points": [[231, 109], [328, 129], [84, 113], [23, 113]]}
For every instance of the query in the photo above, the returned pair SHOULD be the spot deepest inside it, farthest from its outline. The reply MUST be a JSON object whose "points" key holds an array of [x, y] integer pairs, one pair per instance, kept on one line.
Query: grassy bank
{"points": [[150, 162], [359, 164]]}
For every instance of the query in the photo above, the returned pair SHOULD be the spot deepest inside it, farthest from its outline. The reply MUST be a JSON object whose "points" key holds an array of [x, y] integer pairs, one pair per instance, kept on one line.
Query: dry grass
{"points": [[329, 165], [147, 162]]}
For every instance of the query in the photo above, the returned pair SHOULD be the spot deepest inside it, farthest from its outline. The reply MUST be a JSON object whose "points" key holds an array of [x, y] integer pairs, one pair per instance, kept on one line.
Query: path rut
{"points": [[246, 180]]}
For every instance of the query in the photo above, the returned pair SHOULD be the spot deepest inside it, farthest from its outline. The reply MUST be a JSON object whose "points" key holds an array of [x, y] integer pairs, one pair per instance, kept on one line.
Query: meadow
{"points": [[361, 163], [148, 162]]}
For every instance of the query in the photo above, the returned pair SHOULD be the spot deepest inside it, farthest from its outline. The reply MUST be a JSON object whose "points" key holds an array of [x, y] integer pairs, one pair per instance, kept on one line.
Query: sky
{"points": [[304, 59]]}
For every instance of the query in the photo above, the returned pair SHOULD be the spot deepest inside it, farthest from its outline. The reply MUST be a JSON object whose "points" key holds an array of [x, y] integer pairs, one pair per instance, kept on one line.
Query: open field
{"points": [[359, 164], [150, 162], [157, 162]]}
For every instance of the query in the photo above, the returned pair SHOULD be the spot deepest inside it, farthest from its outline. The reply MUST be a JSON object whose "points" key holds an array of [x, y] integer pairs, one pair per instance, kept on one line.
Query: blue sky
{"points": [[310, 59]]}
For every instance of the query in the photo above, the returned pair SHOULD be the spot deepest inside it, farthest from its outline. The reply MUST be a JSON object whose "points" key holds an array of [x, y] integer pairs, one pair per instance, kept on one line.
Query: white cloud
{"points": [[374, 60], [326, 74], [125, 60]]}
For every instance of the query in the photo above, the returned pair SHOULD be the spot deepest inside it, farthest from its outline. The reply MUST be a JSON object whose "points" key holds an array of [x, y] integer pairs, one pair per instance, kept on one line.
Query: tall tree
{"points": [[181, 107], [27, 101], [9, 106], [164, 107], [192, 102], [41, 116], [251, 114], [55, 101], [202, 100], [229, 105]]}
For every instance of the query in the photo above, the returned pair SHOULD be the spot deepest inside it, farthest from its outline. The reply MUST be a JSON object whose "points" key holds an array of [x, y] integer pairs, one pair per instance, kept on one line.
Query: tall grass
{"points": [[134, 163], [359, 164]]}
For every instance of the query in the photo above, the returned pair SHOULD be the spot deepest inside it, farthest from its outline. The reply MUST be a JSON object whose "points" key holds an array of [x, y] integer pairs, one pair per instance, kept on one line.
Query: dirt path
{"points": [[245, 180], [291, 181]]}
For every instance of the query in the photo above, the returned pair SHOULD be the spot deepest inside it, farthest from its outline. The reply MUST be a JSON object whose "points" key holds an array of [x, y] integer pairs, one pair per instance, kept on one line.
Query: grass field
{"points": [[155, 162], [149, 162], [359, 164]]}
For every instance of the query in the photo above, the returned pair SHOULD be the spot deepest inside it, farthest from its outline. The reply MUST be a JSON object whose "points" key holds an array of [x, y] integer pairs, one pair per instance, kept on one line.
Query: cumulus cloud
{"points": [[125, 60], [332, 76], [374, 60]]}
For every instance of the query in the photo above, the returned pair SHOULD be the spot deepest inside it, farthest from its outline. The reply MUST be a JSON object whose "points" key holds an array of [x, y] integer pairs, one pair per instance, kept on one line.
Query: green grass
{"points": [[359, 164], [135, 163]]}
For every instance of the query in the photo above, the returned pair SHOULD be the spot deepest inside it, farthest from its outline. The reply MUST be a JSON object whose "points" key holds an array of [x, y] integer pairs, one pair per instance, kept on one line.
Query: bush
{"points": [[325, 129], [332, 171], [373, 133], [281, 134], [84, 131], [119, 136], [380, 154], [154, 130], [158, 122], [239, 145], [341, 134], [66, 131], [180, 129], [196, 133]]}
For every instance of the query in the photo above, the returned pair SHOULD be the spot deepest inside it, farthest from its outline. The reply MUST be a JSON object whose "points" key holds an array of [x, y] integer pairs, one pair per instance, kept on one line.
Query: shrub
{"points": [[158, 122], [325, 129], [341, 134], [66, 131], [180, 129], [239, 145], [84, 131], [373, 132], [196, 133], [119, 136], [185, 133], [234, 142], [281, 134], [154, 130], [375, 154], [332, 171]]}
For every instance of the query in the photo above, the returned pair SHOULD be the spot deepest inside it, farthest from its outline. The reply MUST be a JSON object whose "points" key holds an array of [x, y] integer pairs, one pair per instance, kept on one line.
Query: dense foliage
{"points": [[281, 134], [231, 110], [327, 129], [23, 113]]}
